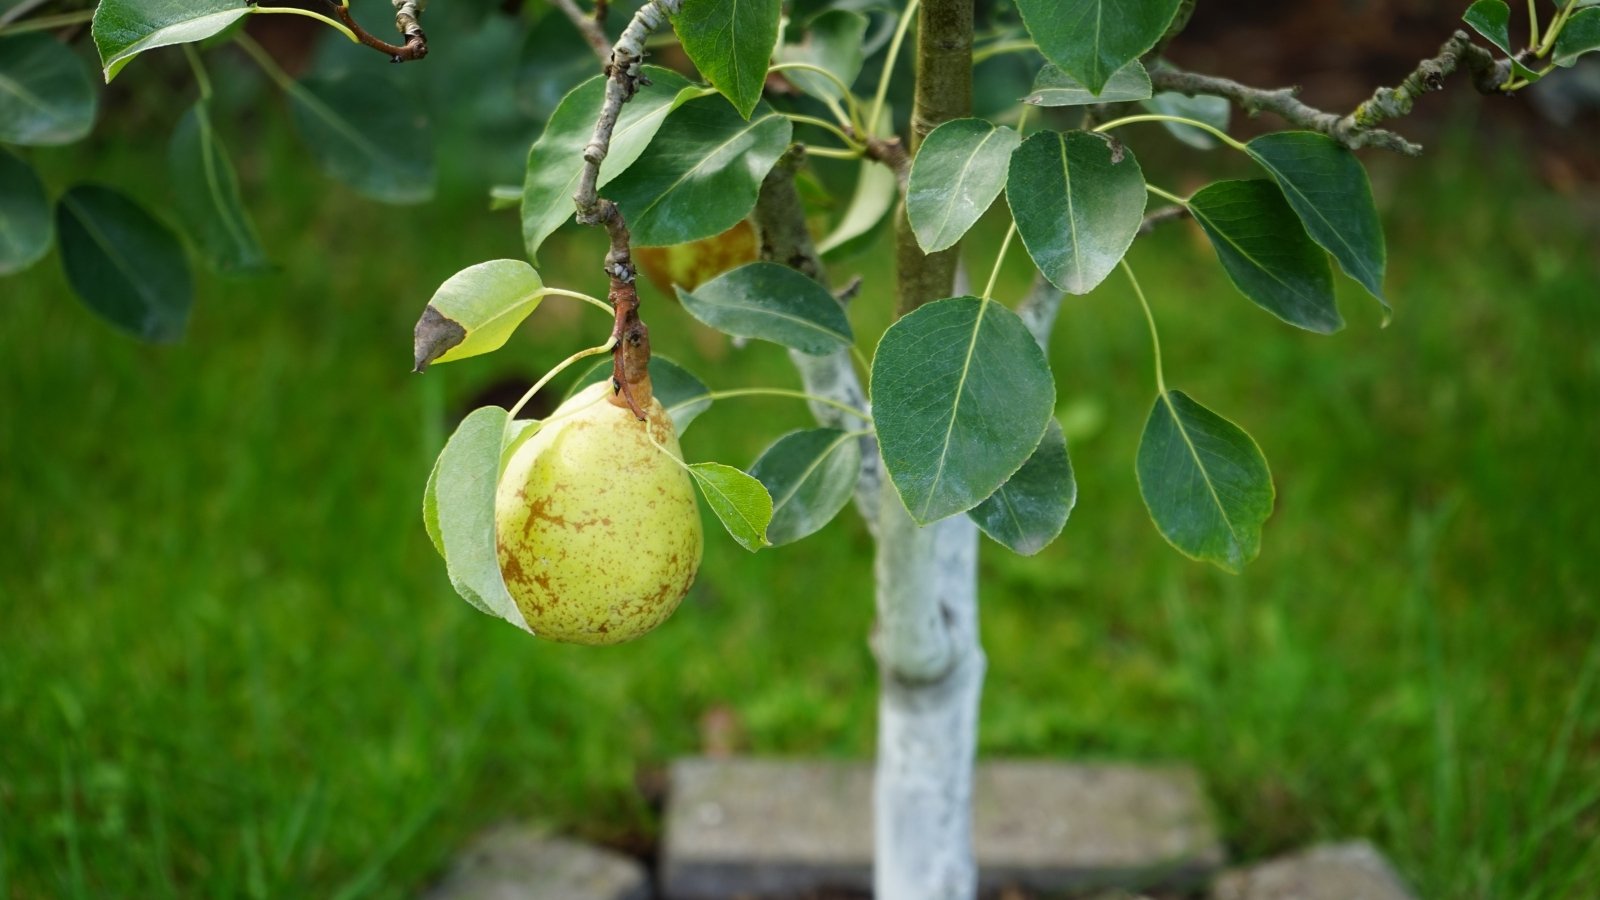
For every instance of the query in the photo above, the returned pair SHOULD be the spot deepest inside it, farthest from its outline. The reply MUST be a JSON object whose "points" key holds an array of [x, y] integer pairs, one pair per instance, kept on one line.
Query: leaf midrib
{"points": [[955, 409], [1177, 420]]}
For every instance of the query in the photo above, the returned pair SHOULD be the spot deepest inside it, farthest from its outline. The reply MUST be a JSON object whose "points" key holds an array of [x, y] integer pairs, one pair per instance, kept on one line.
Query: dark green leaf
{"points": [[556, 161], [1054, 87], [811, 475], [1091, 39], [774, 303], [1032, 507], [702, 173], [961, 395], [125, 28], [959, 170], [125, 266], [1078, 200], [1492, 19], [366, 133], [466, 475], [1214, 111], [1204, 481], [832, 43], [25, 227], [731, 42], [679, 392], [740, 502], [476, 310], [205, 193], [46, 95], [1325, 184], [1267, 253], [1580, 35]]}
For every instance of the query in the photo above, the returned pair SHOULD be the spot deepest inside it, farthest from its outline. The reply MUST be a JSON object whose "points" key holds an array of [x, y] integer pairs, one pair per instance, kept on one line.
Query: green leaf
{"points": [[870, 202], [1325, 184], [811, 475], [1078, 200], [679, 392], [961, 395], [466, 475], [833, 42], [1214, 111], [1267, 254], [127, 267], [1580, 35], [1054, 87], [125, 28], [1204, 481], [205, 194], [555, 163], [1091, 39], [959, 170], [430, 513], [365, 132], [46, 96], [1492, 19], [476, 310], [731, 42], [741, 503], [25, 227], [702, 173], [1032, 507], [774, 303]]}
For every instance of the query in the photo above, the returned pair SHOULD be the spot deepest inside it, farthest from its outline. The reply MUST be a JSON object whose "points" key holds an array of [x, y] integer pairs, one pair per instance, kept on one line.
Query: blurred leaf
{"points": [[125, 28], [555, 58], [811, 475], [205, 193], [46, 95], [702, 173], [961, 395], [1267, 253], [1054, 87], [468, 472], [476, 310], [1492, 19], [127, 267], [1032, 507], [1214, 111], [555, 163], [25, 227], [1091, 39], [504, 196], [690, 265], [741, 503], [430, 516], [731, 43], [366, 133], [870, 202], [1325, 184], [1204, 482], [1580, 35], [771, 302], [959, 170], [1078, 200], [833, 42], [679, 392]]}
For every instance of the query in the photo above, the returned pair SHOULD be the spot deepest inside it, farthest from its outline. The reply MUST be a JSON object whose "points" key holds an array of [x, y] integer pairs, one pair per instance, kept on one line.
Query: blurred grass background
{"points": [[231, 664]]}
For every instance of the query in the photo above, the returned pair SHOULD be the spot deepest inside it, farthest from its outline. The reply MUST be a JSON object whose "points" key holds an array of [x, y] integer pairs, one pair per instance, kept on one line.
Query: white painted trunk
{"points": [[931, 675]]}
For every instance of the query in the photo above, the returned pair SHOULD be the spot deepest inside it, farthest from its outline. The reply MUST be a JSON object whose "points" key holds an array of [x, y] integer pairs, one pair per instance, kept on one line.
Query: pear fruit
{"points": [[598, 530]]}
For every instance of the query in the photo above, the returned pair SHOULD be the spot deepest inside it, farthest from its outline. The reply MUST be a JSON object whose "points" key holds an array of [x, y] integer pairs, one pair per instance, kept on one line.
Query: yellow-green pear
{"points": [[598, 530]]}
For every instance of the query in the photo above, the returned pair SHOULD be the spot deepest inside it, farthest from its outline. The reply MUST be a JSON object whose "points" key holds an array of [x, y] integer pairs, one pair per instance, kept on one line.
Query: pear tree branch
{"points": [[407, 16]]}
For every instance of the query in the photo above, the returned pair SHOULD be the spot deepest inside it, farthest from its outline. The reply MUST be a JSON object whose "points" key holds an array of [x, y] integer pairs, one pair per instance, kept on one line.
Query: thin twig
{"points": [[407, 13], [1162, 214], [1358, 129], [589, 28]]}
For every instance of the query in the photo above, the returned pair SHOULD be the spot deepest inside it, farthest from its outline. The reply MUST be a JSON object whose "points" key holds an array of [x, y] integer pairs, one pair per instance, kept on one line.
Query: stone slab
{"points": [[520, 863], [1349, 871], [782, 828]]}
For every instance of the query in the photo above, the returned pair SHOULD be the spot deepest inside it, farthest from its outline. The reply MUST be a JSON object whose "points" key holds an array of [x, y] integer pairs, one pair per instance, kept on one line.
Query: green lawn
{"points": [[231, 664]]}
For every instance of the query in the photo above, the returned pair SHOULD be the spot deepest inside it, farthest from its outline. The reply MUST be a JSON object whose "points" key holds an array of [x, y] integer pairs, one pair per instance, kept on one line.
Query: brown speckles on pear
{"points": [[599, 532]]}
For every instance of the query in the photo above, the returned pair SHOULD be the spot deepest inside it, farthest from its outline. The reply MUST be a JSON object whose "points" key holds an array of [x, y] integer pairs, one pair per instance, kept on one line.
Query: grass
{"points": [[231, 665]]}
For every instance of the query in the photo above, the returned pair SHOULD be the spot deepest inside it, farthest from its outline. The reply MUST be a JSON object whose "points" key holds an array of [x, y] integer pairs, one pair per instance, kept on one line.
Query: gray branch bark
{"points": [[1359, 128]]}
